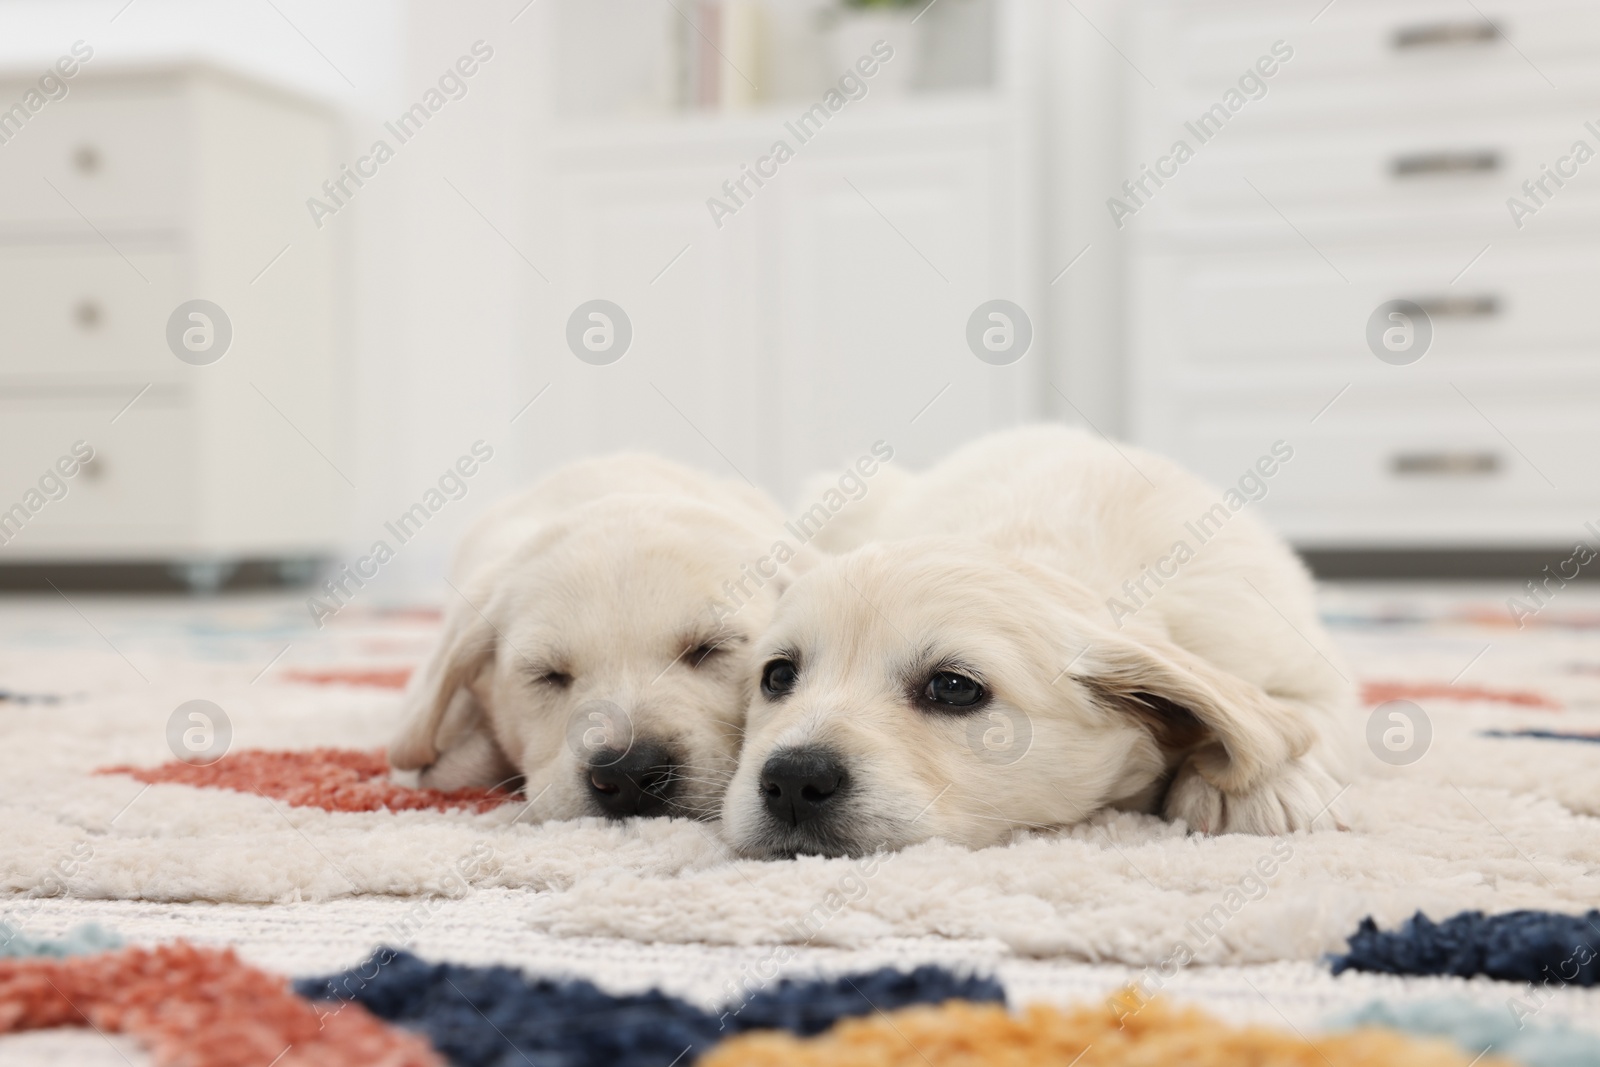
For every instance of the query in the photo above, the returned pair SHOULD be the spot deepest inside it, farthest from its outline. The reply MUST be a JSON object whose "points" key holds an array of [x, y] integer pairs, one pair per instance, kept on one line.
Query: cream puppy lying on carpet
{"points": [[1042, 627], [582, 652]]}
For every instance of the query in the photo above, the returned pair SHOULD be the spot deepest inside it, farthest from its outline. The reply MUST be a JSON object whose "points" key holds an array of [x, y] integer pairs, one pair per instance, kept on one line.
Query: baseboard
{"points": [[1439, 564], [1331, 564], [157, 577]]}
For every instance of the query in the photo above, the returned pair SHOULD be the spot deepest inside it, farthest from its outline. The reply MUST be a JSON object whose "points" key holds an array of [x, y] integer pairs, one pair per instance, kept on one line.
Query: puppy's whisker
{"points": [[525, 808], [680, 771], [702, 811], [711, 776], [704, 772], [1008, 822], [985, 818], [997, 809], [696, 811]]}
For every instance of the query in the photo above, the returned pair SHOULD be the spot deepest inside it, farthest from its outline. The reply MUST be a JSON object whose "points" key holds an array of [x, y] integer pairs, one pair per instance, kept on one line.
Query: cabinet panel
{"points": [[1445, 176], [87, 310], [1382, 40], [828, 311], [136, 494], [1400, 464], [694, 380], [1291, 315], [115, 161], [882, 264]]}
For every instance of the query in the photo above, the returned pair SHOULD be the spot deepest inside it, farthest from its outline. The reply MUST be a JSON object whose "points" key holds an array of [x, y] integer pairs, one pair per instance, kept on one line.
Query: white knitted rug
{"points": [[1479, 822]]}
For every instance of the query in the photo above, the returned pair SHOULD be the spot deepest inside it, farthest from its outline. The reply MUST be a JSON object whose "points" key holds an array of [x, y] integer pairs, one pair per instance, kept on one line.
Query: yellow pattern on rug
{"points": [[1116, 1034]]}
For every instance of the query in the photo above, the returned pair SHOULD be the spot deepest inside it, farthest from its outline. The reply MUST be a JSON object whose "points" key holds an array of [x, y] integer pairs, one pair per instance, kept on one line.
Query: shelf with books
{"points": [[730, 56]]}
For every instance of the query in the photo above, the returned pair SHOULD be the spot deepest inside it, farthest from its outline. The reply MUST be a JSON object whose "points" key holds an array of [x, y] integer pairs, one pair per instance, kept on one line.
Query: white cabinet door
{"points": [[695, 381], [882, 262], [828, 312], [133, 499]]}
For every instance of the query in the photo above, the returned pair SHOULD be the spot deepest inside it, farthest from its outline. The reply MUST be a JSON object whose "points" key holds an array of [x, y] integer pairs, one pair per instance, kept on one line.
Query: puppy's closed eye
{"points": [[706, 650], [553, 678]]}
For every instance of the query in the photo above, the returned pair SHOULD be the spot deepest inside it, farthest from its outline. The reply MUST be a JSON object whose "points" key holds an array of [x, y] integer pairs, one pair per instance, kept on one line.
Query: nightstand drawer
{"points": [[137, 490], [1486, 454], [1451, 176], [1365, 41], [92, 162], [1289, 311], [74, 310]]}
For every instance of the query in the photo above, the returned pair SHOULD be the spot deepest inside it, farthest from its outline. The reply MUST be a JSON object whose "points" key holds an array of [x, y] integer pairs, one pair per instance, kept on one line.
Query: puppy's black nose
{"points": [[798, 783], [639, 781]]}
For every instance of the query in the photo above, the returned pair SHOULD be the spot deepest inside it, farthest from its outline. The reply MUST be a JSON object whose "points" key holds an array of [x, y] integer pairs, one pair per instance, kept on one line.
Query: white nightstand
{"points": [[141, 190], [1374, 166]]}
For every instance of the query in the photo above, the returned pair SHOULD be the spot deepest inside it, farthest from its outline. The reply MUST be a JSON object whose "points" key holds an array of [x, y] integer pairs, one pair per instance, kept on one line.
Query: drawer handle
{"points": [[1446, 35], [88, 315], [1434, 164], [86, 159], [1445, 464], [93, 469], [1460, 307]]}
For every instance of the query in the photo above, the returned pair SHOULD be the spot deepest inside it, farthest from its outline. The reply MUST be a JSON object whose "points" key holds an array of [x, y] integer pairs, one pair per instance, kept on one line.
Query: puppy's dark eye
{"points": [[951, 690], [558, 679], [778, 677]]}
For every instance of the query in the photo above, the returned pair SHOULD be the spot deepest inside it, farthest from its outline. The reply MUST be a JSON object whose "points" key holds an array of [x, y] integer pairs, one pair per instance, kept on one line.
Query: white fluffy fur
{"points": [[1003, 561], [579, 604]]}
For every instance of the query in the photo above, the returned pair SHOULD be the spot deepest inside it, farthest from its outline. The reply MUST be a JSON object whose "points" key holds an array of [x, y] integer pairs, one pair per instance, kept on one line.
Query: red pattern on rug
{"points": [[377, 678], [200, 1007], [1378, 692], [333, 779], [421, 614]]}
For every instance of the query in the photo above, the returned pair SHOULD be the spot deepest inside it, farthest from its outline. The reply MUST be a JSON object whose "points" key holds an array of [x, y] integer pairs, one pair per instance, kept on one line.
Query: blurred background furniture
{"points": [[139, 191], [1376, 167], [828, 307]]}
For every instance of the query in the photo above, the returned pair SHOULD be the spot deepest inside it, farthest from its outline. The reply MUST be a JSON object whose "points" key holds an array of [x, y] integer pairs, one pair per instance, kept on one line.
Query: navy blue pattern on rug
{"points": [[499, 1017], [1543, 735], [1518, 946]]}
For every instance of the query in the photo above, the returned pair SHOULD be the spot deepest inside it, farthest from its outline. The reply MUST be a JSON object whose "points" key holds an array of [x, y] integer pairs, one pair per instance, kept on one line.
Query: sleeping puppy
{"points": [[583, 653], [983, 668]]}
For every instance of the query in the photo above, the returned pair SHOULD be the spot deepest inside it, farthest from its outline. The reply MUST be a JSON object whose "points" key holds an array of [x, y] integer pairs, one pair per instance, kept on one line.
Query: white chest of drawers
{"points": [[138, 191], [1376, 165]]}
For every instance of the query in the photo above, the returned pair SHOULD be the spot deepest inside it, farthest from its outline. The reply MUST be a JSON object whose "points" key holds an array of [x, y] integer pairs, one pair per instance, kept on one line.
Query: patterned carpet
{"points": [[1483, 796]]}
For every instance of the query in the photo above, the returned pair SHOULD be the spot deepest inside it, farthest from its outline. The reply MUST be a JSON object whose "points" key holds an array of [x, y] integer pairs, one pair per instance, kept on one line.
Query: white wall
{"points": [[359, 40], [444, 287], [1083, 155]]}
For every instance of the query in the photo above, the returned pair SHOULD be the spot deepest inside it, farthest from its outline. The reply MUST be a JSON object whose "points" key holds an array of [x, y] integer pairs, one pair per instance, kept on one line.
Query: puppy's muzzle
{"points": [[640, 781], [803, 785]]}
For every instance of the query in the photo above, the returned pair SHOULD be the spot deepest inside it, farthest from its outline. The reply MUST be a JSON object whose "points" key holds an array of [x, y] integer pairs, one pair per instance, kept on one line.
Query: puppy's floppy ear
{"points": [[440, 711], [1237, 732]]}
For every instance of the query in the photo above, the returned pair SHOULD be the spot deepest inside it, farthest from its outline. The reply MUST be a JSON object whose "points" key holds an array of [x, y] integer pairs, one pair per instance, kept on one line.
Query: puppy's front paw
{"points": [[475, 762], [1293, 797]]}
